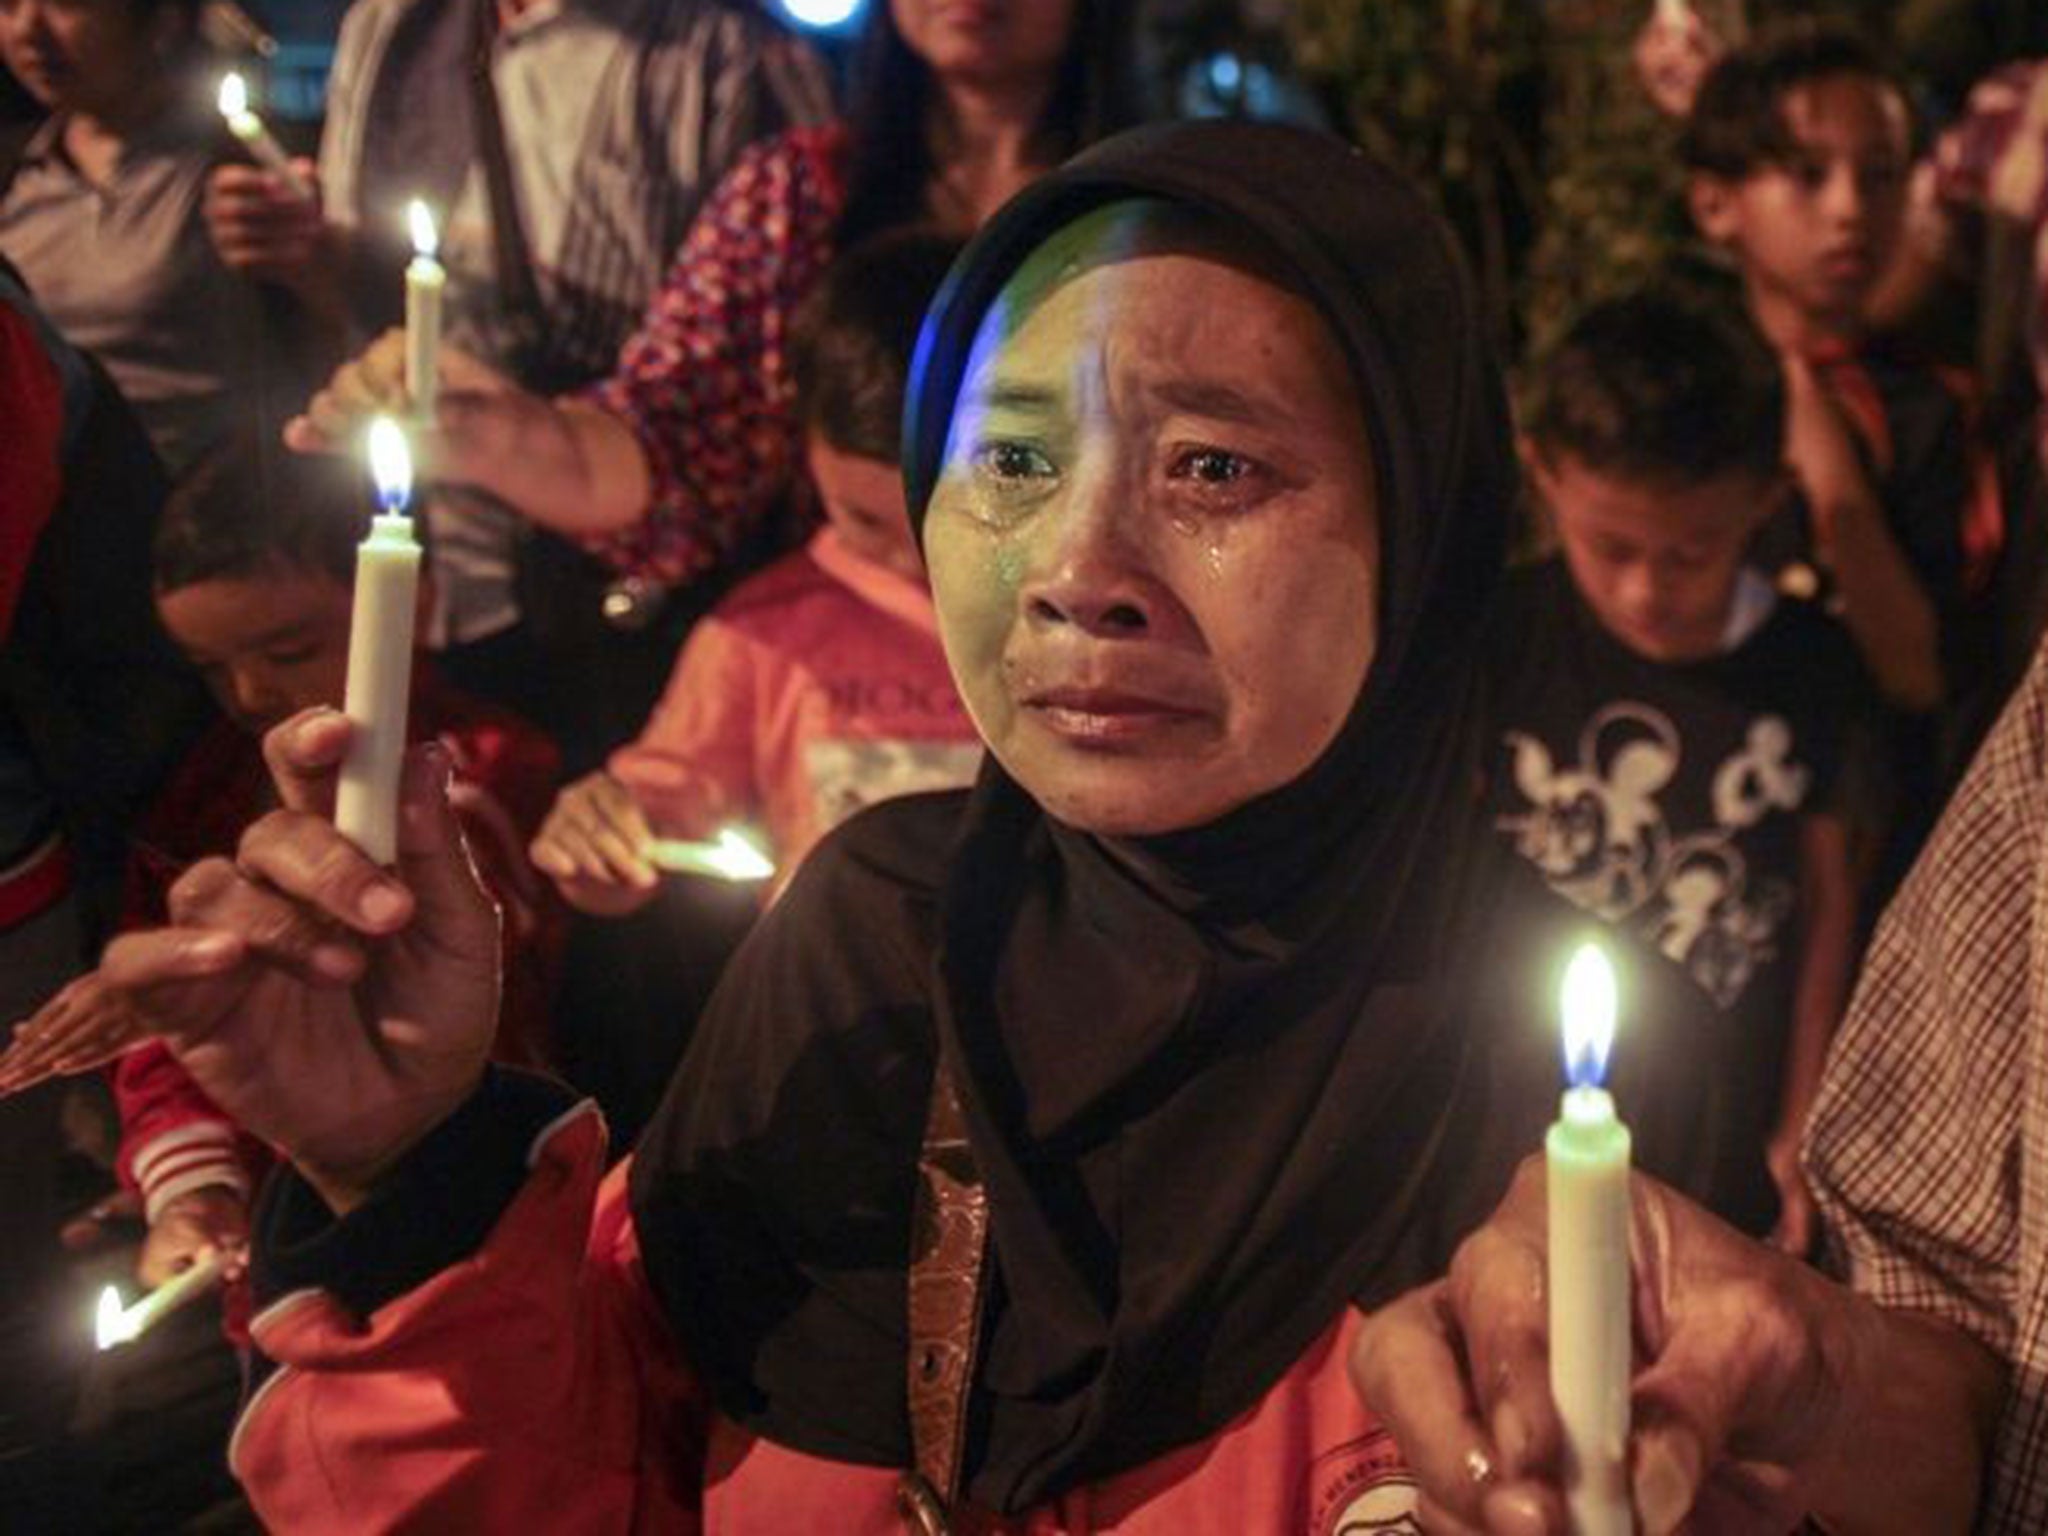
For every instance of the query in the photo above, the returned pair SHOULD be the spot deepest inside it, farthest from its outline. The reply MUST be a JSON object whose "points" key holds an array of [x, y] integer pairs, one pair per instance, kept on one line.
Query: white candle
{"points": [[425, 278], [731, 856], [115, 1324], [248, 127], [380, 654], [1586, 1154], [1674, 13]]}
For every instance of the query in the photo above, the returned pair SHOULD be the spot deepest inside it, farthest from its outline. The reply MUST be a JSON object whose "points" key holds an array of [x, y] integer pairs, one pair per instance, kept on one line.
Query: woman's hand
{"points": [[1762, 1391], [594, 846], [332, 1008], [199, 1222], [265, 231]]}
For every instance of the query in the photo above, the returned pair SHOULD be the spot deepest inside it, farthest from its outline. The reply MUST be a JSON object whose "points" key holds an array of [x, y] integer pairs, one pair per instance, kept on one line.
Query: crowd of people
{"points": [[1079, 554]]}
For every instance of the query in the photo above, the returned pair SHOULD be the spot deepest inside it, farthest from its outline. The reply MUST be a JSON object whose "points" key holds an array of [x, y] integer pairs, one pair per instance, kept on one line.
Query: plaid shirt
{"points": [[1928, 1148]]}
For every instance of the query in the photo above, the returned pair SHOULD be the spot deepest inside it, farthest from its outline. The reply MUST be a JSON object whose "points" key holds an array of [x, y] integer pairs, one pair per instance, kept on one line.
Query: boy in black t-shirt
{"points": [[1666, 729]]}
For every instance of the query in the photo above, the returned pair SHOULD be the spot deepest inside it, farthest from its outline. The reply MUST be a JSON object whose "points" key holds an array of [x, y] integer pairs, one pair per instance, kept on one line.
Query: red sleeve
{"points": [[537, 1375], [174, 1138], [705, 383], [32, 406], [692, 768]]}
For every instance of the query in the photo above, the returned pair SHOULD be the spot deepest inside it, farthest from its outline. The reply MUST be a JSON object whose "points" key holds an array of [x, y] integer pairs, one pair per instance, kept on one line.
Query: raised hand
{"points": [[1763, 1391], [263, 230], [334, 1009], [594, 846]]}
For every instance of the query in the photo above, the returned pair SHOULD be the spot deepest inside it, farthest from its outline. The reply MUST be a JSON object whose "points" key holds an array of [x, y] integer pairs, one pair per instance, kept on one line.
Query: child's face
{"points": [[1814, 232], [863, 500], [270, 644], [1656, 562]]}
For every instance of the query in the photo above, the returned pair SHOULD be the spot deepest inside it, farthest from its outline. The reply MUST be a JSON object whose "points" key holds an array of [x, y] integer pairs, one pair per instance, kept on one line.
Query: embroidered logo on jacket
{"points": [[1362, 1488]]}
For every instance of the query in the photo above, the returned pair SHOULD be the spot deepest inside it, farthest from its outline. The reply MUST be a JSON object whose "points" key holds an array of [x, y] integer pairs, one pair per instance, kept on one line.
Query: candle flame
{"points": [[234, 94], [732, 855], [390, 465], [110, 1324], [426, 240], [1587, 1005]]}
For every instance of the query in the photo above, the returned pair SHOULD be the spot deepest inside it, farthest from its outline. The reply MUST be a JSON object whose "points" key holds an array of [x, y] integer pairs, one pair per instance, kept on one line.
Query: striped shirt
{"points": [[1928, 1147]]}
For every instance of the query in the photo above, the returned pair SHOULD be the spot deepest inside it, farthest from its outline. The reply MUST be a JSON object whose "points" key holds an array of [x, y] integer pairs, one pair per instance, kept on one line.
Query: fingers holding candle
{"points": [[262, 146]]}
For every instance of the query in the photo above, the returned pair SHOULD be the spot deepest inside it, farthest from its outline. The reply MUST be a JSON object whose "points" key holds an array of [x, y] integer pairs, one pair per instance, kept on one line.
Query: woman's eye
{"points": [[1013, 461], [1211, 466]]}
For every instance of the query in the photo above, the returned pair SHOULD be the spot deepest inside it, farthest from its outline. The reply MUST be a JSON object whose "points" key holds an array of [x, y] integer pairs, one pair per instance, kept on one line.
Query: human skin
{"points": [[340, 1011], [1152, 543]]}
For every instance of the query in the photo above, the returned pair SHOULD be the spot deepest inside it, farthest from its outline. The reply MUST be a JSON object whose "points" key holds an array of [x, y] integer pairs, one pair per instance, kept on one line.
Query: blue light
{"points": [[821, 15], [1226, 74]]}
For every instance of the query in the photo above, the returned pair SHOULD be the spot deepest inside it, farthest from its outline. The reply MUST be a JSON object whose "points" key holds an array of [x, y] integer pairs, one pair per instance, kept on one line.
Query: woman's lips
{"points": [[1108, 716]]}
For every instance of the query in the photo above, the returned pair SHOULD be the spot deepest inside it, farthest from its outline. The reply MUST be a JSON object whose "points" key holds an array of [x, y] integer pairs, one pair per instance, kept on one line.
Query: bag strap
{"points": [[948, 1250]]}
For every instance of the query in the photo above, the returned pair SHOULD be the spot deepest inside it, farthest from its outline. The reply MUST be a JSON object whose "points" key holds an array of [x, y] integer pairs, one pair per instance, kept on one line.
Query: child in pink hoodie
{"points": [[818, 686]]}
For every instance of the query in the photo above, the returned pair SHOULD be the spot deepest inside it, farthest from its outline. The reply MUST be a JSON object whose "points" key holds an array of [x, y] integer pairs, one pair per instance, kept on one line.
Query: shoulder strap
{"points": [[949, 1246]]}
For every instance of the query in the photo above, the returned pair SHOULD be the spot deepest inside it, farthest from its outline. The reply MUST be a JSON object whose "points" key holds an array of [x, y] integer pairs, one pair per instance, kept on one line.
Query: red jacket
{"points": [[534, 1386], [173, 1137]]}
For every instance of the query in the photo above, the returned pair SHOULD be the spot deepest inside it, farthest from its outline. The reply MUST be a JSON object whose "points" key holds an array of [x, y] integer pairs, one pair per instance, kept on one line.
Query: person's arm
{"points": [[1769, 1393], [664, 467], [1827, 958], [474, 1343], [1884, 606]]}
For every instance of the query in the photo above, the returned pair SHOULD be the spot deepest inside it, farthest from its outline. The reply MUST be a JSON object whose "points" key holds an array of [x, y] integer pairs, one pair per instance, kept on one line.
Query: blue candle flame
{"points": [[390, 465], [1587, 1007]]}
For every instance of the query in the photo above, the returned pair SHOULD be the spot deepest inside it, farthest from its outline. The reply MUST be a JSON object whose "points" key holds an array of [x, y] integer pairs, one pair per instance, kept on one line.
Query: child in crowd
{"points": [[818, 686], [1798, 150], [255, 560], [1667, 729]]}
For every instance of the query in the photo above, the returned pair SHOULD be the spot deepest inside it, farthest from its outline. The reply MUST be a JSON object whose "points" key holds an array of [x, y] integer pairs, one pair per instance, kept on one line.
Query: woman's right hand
{"points": [[594, 846], [337, 1010], [479, 414]]}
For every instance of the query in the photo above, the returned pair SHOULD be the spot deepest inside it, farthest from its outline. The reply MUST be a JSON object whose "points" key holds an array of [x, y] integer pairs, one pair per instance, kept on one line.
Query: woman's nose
{"points": [[1093, 572]]}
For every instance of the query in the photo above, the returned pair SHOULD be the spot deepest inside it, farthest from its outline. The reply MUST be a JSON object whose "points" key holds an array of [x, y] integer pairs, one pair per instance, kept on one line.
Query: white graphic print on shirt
{"points": [[1600, 837]]}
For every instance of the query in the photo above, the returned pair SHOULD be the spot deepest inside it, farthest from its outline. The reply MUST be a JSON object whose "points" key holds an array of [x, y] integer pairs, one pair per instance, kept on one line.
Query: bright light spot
{"points": [[822, 14], [740, 859], [110, 1325], [1226, 74], [730, 856], [419, 219], [234, 95], [390, 465], [1587, 1004]]}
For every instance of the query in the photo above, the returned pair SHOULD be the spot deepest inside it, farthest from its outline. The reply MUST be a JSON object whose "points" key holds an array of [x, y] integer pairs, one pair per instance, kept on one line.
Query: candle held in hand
{"points": [[246, 126], [1586, 1155], [380, 654], [425, 279], [114, 1324]]}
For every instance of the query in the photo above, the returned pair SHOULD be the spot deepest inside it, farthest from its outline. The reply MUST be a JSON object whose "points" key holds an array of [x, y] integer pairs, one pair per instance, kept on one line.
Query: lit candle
{"points": [[1674, 13], [115, 1324], [425, 278], [730, 856], [248, 127], [1587, 1158], [380, 654]]}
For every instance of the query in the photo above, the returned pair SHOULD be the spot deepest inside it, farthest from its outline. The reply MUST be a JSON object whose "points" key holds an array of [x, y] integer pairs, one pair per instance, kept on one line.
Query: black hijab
{"points": [[1219, 1083]]}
